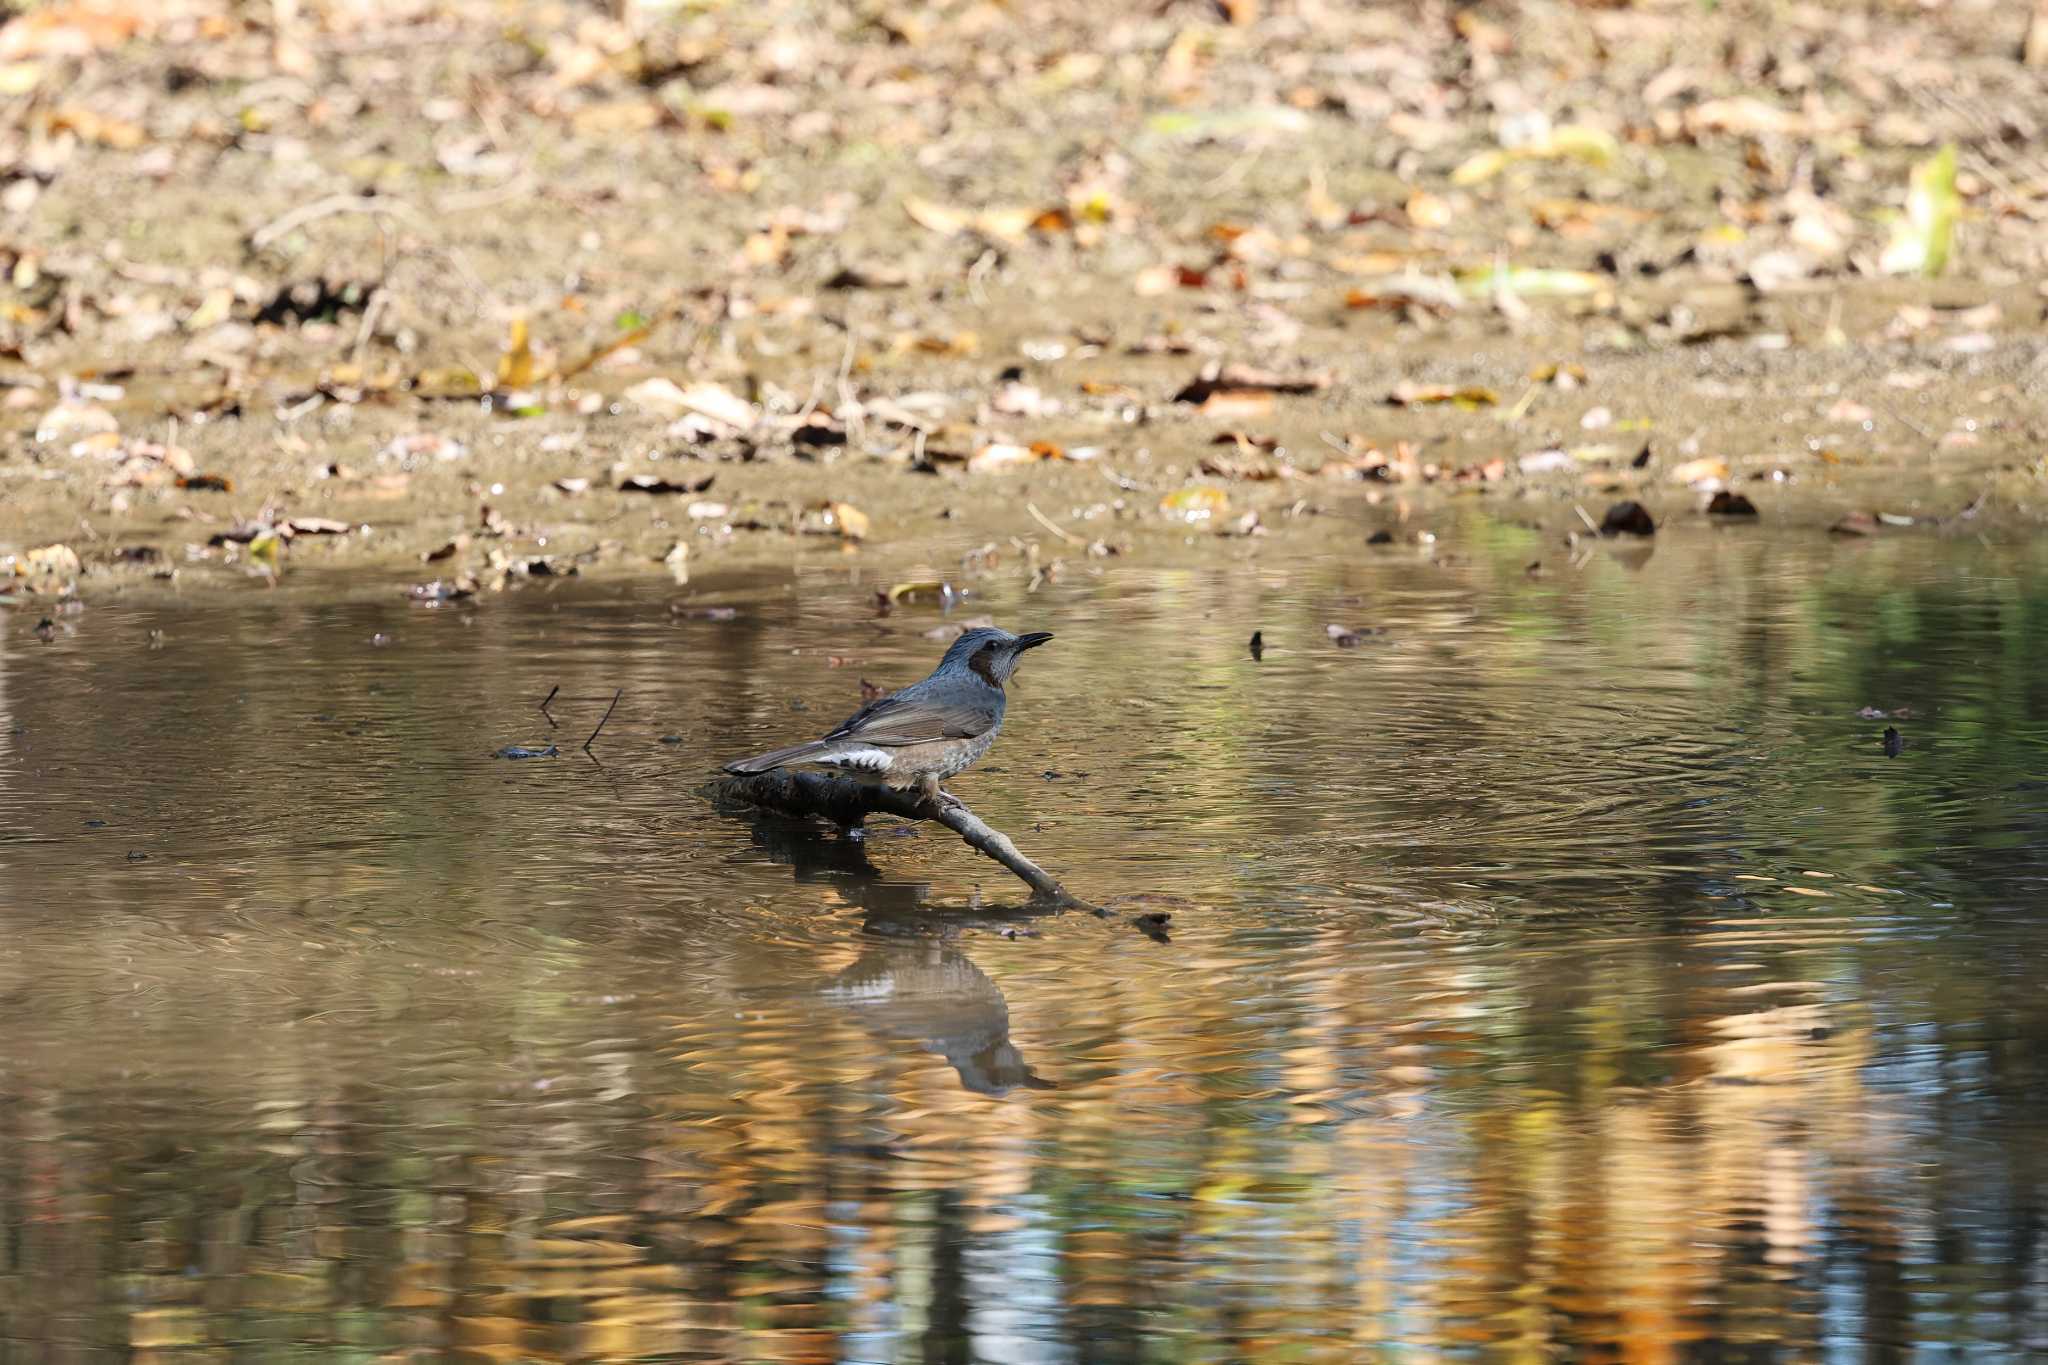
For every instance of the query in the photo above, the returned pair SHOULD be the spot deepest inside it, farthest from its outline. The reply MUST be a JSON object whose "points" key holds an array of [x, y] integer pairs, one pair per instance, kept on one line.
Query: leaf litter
{"points": [[891, 335]]}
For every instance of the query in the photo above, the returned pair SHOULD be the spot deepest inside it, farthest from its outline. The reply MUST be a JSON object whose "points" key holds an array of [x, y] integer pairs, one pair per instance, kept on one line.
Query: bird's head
{"points": [[990, 653]]}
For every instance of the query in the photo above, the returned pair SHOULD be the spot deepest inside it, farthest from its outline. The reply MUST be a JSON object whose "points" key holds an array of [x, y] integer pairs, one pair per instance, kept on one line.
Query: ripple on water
{"points": [[1565, 972]]}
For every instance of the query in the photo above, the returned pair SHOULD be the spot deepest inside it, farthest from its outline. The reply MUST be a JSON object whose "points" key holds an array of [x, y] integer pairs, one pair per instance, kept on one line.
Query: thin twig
{"points": [[1047, 523], [289, 222], [544, 705], [1922, 432], [372, 312], [1591, 525], [607, 716]]}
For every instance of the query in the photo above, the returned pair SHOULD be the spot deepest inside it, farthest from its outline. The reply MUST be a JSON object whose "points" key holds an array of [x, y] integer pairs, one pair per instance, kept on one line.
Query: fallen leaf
{"points": [[207, 483], [1429, 211], [1855, 524], [70, 421], [1252, 464], [1198, 502], [409, 449], [1407, 393], [1545, 462], [516, 368], [1728, 504], [448, 551], [89, 126], [665, 398], [1568, 141], [1344, 637], [1009, 224], [50, 561], [1237, 403], [1921, 240], [651, 483], [572, 486], [1706, 469], [1207, 124], [1216, 378], [1536, 281], [999, 455], [851, 522], [1746, 116], [1436, 293], [1563, 376]]}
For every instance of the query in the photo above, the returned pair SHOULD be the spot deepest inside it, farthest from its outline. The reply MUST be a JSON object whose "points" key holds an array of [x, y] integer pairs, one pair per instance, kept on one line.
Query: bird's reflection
{"points": [[926, 991], [912, 981]]}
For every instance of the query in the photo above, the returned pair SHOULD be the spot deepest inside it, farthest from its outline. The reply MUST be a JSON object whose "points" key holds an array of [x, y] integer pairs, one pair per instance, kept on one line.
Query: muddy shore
{"points": [[1050, 288]]}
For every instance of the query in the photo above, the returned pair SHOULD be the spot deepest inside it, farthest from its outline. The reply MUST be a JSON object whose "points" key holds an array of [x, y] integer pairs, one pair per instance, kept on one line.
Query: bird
{"points": [[925, 733]]}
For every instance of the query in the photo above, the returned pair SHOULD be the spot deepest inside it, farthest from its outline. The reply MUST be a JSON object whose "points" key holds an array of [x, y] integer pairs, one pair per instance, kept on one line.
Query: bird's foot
{"points": [[930, 794]]}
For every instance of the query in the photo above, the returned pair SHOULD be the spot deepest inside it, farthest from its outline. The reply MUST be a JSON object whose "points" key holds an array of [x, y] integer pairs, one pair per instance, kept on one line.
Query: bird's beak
{"points": [[1032, 639]]}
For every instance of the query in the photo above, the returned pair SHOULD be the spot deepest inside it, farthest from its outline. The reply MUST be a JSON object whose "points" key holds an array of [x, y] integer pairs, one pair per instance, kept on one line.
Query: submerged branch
{"points": [[848, 803]]}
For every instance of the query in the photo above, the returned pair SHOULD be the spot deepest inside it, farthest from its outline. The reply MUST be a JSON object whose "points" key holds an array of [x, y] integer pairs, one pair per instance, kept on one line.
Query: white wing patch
{"points": [[866, 759]]}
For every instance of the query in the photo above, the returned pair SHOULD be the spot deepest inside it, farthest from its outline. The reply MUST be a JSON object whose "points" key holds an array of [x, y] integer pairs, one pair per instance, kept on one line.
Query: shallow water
{"points": [[1566, 973]]}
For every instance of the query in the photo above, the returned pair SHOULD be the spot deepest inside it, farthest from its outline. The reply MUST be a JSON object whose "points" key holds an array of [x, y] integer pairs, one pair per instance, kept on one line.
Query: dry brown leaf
{"points": [[1237, 403], [850, 521], [999, 455], [1706, 469], [1216, 378], [1009, 224], [1408, 393], [1429, 211]]}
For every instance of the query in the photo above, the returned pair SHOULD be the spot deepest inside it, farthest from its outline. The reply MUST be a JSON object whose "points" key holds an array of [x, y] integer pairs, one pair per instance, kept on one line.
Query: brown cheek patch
{"points": [[983, 663]]}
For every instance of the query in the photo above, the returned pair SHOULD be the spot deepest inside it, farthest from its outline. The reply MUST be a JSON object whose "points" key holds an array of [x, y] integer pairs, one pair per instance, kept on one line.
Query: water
{"points": [[1566, 974]]}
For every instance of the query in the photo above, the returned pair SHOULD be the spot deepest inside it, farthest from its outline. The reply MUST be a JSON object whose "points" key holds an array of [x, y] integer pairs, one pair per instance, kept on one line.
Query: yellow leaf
{"points": [[1920, 240], [515, 366], [1481, 167], [1197, 503], [851, 521]]}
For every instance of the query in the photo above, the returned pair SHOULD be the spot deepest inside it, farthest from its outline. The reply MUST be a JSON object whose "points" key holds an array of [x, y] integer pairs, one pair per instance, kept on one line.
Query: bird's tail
{"points": [[778, 758]]}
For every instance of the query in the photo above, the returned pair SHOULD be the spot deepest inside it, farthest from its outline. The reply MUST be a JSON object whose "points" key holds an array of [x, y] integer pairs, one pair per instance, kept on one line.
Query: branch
{"points": [[848, 803], [294, 219]]}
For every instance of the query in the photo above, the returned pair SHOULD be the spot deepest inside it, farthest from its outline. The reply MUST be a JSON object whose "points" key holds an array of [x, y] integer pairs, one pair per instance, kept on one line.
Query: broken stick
{"points": [[847, 803]]}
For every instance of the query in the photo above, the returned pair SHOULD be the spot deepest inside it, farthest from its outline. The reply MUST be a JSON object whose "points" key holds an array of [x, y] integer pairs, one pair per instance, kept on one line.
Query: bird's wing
{"points": [[910, 719]]}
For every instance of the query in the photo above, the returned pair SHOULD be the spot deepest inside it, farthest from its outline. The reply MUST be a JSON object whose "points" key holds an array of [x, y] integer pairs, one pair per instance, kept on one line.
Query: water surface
{"points": [[1565, 973]]}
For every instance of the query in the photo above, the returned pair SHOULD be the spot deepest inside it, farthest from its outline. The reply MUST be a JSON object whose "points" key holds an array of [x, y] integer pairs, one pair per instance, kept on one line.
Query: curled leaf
{"points": [[1921, 240], [1198, 502]]}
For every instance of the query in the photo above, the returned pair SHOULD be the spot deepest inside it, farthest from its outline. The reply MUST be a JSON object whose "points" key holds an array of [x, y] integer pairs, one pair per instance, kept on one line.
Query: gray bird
{"points": [[926, 733]]}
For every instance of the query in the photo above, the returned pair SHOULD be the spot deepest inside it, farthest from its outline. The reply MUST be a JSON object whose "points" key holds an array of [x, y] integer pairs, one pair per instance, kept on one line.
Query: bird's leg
{"points": [[930, 794]]}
